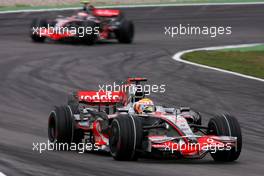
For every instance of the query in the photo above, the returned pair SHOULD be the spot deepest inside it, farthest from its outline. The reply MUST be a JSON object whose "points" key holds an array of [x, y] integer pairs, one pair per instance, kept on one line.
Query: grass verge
{"points": [[248, 61]]}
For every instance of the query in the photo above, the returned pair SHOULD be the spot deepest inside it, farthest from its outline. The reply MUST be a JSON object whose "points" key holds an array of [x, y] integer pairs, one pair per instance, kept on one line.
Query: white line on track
{"points": [[178, 56], [2, 174], [133, 6]]}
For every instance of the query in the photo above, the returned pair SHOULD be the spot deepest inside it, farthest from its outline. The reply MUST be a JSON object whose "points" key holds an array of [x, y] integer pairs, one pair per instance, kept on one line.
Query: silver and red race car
{"points": [[99, 24], [107, 120]]}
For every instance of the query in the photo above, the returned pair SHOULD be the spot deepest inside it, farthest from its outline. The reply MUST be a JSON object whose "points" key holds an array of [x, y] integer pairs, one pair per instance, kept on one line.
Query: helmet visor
{"points": [[147, 108]]}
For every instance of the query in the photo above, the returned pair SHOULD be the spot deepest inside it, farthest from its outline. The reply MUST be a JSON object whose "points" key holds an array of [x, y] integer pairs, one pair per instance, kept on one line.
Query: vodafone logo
{"points": [[100, 96]]}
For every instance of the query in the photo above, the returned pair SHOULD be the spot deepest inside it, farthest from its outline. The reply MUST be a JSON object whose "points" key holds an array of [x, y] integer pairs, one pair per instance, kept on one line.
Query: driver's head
{"points": [[87, 6], [85, 2], [144, 105]]}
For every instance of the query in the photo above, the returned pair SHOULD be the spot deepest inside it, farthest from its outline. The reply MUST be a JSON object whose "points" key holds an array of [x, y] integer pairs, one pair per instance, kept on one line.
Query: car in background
{"points": [[100, 24]]}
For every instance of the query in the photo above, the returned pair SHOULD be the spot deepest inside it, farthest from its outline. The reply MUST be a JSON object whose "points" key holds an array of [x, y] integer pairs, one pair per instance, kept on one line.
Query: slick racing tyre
{"points": [[125, 137], [61, 125], [226, 125], [125, 33], [37, 24], [91, 36], [197, 118]]}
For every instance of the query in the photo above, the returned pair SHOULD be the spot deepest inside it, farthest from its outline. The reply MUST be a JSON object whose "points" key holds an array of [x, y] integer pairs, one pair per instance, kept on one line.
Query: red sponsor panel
{"points": [[101, 96], [47, 32]]}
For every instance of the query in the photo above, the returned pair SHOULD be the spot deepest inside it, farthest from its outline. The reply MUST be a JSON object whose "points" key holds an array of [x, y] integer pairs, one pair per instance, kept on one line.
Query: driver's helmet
{"points": [[144, 105], [85, 1], [87, 6]]}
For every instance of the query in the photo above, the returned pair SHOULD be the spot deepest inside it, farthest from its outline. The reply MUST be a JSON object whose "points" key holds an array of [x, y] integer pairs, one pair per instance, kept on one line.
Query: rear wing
{"points": [[136, 80], [111, 97], [107, 101], [106, 12]]}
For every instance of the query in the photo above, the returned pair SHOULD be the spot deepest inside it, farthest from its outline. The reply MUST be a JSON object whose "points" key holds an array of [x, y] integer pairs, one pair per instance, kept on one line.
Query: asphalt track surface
{"points": [[35, 77]]}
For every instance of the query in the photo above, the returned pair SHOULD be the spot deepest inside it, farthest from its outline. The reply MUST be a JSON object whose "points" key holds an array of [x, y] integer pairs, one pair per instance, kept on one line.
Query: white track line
{"points": [[2, 174], [178, 56], [133, 6]]}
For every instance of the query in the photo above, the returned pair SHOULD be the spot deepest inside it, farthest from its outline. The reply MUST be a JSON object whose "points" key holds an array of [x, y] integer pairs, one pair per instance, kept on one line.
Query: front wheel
{"points": [[125, 137], [125, 33], [226, 125]]}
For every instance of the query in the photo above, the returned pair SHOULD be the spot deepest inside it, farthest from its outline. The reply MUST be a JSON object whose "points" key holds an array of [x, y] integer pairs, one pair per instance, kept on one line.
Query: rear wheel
{"points": [[88, 33], [125, 33], [226, 125], [125, 137], [37, 24], [61, 125]]}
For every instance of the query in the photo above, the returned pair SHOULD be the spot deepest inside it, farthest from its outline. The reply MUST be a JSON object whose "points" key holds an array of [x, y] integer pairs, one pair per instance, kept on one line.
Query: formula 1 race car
{"points": [[108, 120], [100, 24]]}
